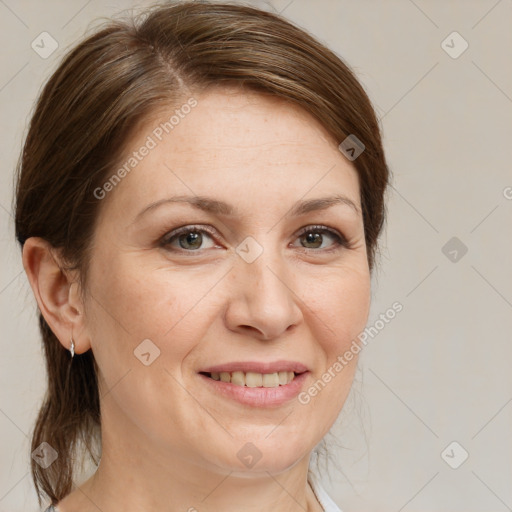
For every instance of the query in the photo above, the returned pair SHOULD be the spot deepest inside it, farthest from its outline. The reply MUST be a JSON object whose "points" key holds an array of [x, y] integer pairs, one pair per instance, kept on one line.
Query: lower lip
{"points": [[257, 397]]}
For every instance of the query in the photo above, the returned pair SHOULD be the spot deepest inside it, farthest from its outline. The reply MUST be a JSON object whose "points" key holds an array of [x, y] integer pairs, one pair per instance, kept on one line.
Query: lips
{"points": [[259, 391]]}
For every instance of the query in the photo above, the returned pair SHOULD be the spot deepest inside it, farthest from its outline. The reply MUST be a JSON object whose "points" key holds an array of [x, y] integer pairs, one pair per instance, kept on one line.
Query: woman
{"points": [[199, 202]]}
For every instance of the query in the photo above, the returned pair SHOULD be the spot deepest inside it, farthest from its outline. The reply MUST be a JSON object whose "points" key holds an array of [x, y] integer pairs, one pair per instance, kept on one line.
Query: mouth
{"points": [[254, 379], [256, 384]]}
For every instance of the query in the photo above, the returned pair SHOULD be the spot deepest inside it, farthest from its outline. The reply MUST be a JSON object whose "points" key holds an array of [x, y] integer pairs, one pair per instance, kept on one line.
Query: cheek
{"points": [[340, 303], [132, 302], [338, 311]]}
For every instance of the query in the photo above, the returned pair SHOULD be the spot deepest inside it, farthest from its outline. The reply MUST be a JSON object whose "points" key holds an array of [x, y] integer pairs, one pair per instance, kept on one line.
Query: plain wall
{"points": [[440, 370]]}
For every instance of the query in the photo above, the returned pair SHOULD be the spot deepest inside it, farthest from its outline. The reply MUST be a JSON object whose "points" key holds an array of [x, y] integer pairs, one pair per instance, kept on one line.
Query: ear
{"points": [[57, 292]]}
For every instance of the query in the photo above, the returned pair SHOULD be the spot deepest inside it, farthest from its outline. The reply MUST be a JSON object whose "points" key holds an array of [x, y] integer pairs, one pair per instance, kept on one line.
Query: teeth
{"points": [[270, 380], [255, 380], [237, 378], [283, 377]]}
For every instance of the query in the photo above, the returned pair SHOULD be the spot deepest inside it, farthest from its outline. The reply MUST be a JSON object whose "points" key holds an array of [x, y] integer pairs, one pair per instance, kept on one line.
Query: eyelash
{"points": [[339, 240]]}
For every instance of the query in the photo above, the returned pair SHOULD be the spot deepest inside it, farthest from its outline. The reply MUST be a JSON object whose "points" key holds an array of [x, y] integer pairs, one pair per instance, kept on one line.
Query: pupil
{"points": [[314, 238], [191, 240]]}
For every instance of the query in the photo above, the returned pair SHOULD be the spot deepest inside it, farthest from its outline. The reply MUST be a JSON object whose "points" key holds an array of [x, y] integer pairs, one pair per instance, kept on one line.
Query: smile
{"points": [[256, 384]]}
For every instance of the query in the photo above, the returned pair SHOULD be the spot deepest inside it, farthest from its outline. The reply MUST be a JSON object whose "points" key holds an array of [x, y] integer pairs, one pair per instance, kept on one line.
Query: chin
{"points": [[264, 454]]}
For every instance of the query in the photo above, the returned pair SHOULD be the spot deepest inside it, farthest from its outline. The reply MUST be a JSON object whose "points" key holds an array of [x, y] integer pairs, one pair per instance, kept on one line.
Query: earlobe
{"points": [[56, 293]]}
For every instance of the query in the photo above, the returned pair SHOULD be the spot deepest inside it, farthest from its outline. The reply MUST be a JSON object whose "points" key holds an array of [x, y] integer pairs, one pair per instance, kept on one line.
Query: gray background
{"points": [[440, 371]]}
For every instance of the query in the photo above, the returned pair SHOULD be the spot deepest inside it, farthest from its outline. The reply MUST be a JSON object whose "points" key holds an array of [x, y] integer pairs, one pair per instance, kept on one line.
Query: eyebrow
{"points": [[215, 207]]}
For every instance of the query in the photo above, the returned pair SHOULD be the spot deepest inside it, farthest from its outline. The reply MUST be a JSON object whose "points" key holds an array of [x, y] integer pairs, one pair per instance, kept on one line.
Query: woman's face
{"points": [[248, 270]]}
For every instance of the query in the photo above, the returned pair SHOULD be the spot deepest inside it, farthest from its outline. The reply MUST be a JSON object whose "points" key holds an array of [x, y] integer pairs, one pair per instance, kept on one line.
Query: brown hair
{"points": [[103, 89]]}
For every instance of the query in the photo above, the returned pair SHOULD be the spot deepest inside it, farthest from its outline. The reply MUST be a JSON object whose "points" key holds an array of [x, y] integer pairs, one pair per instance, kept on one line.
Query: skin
{"points": [[169, 442]]}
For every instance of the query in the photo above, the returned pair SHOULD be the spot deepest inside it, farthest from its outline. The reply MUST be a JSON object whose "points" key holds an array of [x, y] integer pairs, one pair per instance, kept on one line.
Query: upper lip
{"points": [[257, 367]]}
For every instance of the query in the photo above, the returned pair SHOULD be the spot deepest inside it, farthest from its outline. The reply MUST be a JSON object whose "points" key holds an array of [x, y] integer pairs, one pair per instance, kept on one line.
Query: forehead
{"points": [[225, 119], [234, 144]]}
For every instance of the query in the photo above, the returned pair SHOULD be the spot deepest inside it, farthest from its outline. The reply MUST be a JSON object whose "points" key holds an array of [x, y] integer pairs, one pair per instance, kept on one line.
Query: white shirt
{"points": [[321, 495]]}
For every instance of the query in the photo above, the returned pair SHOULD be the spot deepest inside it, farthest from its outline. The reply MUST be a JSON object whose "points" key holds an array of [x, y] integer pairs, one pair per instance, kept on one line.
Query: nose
{"points": [[262, 299]]}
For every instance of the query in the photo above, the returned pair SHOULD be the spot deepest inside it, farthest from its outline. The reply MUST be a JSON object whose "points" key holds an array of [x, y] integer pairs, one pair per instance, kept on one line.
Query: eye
{"points": [[315, 237], [188, 238]]}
